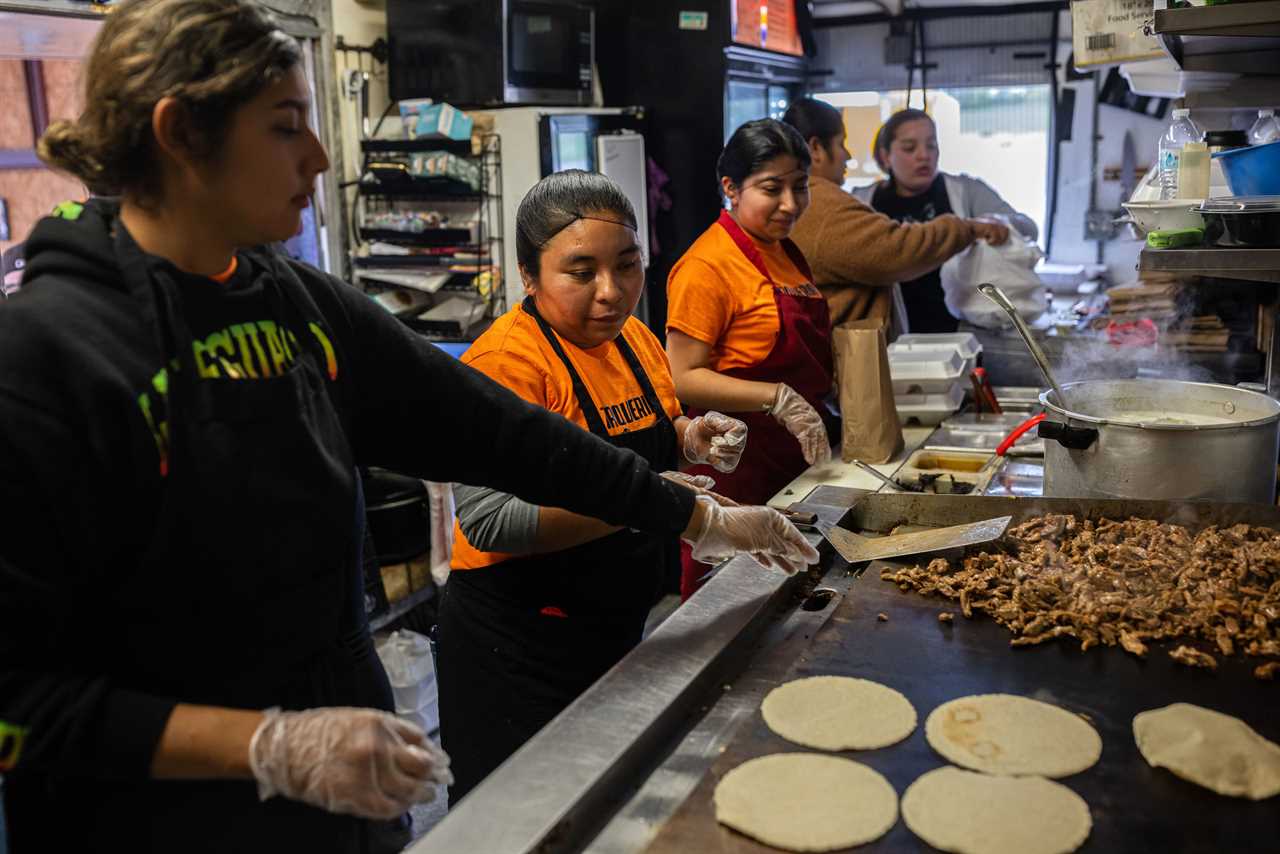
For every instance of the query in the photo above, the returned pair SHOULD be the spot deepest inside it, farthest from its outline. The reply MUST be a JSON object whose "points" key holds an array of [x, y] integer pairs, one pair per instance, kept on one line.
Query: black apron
{"points": [[249, 593], [521, 639]]}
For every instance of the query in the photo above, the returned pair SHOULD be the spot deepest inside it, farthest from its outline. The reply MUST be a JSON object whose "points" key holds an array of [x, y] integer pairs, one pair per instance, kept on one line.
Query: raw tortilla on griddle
{"points": [[970, 813], [1217, 751], [1008, 734], [806, 802], [838, 713]]}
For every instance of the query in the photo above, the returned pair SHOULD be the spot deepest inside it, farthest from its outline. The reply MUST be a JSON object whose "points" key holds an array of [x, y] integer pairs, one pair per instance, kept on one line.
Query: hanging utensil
{"points": [[856, 548], [998, 297], [886, 480]]}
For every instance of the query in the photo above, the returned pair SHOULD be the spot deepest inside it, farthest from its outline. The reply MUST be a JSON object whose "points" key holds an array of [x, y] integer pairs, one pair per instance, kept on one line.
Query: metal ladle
{"points": [[997, 296]]}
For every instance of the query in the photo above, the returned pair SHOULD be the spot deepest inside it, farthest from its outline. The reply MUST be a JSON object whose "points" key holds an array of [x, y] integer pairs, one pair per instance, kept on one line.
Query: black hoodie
{"points": [[82, 425]]}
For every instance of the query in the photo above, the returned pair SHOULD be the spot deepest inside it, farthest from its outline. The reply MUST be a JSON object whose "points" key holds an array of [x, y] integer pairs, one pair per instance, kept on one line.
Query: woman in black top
{"points": [[181, 418], [915, 191]]}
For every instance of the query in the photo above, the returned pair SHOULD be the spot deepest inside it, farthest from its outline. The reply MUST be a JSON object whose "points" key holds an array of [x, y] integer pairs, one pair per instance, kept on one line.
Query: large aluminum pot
{"points": [[1160, 439]]}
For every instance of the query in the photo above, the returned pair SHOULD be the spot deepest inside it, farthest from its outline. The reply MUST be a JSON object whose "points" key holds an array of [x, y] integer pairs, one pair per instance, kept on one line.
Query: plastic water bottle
{"points": [[1265, 129], [1180, 132]]}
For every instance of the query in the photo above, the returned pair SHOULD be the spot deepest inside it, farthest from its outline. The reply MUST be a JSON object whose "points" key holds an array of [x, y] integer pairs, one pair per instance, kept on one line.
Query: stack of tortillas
{"points": [[1010, 808], [811, 802]]}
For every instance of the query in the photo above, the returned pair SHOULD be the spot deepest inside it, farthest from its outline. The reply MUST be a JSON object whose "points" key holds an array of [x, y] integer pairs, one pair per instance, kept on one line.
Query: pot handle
{"points": [[1074, 438], [1013, 437]]}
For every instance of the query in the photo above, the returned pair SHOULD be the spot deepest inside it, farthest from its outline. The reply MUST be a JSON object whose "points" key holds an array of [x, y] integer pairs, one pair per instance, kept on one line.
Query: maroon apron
{"points": [[801, 358]]}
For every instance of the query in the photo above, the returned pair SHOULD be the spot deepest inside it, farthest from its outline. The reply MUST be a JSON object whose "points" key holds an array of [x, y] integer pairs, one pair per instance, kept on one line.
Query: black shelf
{"points": [[1235, 19], [461, 147], [1250, 265], [456, 237], [1241, 38], [423, 189]]}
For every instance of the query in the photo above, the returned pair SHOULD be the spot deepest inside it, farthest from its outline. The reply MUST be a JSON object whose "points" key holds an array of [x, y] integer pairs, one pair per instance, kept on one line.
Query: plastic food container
{"points": [[925, 371], [1243, 221], [1165, 215], [966, 343], [929, 409], [1252, 171]]}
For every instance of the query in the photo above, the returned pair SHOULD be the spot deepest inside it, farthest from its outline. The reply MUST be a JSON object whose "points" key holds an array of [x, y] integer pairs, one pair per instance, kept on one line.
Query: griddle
{"points": [[1134, 807]]}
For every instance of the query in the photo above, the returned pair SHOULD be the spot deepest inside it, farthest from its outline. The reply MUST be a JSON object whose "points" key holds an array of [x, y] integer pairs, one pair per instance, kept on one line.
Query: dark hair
{"points": [[559, 200], [814, 118], [755, 144], [884, 137], [212, 55]]}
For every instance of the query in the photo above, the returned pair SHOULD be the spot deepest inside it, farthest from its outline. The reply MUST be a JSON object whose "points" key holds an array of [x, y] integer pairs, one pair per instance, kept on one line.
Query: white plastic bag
{"points": [[411, 669], [1010, 267]]}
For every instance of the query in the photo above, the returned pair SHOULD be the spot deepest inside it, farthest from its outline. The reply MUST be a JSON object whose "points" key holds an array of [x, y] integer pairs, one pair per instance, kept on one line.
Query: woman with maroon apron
{"points": [[747, 330], [540, 603]]}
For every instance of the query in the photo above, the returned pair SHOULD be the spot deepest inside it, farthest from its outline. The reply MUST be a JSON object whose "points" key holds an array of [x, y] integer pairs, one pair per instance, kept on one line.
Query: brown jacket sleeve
{"points": [[847, 242]]}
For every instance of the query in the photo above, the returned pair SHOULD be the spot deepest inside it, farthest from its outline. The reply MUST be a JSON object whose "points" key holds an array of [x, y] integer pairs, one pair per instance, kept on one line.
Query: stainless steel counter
{"points": [[607, 772]]}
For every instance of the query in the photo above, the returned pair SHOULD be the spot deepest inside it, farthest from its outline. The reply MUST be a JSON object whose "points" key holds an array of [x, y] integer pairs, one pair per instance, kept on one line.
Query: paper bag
{"points": [[871, 429]]}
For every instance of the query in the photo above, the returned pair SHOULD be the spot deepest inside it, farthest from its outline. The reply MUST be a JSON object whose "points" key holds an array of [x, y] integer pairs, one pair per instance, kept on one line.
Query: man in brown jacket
{"points": [[857, 254]]}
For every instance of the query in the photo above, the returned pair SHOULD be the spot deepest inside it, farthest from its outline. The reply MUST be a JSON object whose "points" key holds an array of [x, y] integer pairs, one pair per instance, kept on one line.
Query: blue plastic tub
{"points": [[1252, 171]]}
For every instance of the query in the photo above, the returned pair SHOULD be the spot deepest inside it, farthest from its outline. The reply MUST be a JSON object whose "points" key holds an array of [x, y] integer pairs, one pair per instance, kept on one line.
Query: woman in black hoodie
{"points": [[181, 417]]}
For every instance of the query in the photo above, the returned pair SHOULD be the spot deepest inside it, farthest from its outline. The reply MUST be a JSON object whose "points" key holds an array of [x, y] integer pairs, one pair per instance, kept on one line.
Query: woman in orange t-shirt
{"points": [[747, 330], [543, 601]]}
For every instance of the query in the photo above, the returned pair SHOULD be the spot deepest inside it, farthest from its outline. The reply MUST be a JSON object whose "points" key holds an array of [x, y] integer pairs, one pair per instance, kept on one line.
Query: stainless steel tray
{"points": [[947, 438]]}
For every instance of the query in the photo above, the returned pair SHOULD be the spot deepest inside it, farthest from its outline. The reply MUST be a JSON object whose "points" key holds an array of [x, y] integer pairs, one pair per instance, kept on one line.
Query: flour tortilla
{"points": [[1217, 751], [806, 802], [838, 713], [970, 813], [1008, 734]]}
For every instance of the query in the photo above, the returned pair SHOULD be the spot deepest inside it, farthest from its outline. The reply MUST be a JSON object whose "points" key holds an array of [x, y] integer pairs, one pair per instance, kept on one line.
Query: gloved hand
{"points": [[361, 762], [802, 421], [700, 484], [761, 532], [715, 439]]}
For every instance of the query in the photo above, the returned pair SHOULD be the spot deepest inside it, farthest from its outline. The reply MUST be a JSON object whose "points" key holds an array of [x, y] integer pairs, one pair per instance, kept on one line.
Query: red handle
{"points": [[1017, 434]]}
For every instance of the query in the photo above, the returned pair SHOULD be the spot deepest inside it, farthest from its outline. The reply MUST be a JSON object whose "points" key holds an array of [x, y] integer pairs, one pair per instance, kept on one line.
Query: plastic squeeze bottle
{"points": [[1182, 131]]}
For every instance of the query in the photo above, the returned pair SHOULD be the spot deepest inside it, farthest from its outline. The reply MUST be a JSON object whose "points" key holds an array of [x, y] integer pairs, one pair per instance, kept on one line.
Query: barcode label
{"points": [[1101, 41]]}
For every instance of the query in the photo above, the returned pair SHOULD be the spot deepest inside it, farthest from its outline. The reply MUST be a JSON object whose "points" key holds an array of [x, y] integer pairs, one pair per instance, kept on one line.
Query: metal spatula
{"points": [[859, 549]]}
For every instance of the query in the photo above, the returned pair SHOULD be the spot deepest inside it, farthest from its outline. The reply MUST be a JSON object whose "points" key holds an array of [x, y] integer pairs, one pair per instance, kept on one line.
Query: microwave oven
{"points": [[482, 53]]}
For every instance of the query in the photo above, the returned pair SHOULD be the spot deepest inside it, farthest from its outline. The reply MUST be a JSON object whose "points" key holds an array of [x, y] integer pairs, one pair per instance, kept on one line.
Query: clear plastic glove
{"points": [[701, 484], [761, 532], [715, 439], [802, 421], [361, 762], [990, 230]]}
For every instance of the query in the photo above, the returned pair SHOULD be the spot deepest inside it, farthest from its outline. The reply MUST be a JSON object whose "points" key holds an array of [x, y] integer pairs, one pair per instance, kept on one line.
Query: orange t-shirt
{"points": [[515, 353], [716, 295]]}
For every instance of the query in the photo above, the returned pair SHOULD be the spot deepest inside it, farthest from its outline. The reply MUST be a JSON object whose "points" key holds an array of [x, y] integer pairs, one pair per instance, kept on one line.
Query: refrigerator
{"points": [[537, 141]]}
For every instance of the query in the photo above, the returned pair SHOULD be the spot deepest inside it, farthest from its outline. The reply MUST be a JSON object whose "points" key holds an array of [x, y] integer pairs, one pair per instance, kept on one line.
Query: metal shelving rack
{"points": [[1239, 37], [1242, 38], [487, 248]]}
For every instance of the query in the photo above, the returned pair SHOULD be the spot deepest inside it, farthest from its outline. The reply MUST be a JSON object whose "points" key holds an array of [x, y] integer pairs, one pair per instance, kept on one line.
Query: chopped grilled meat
{"points": [[882, 617], [1193, 657], [1120, 582], [946, 617]]}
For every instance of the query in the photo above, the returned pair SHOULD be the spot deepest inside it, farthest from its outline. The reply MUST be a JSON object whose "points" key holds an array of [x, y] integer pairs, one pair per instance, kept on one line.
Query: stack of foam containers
{"points": [[930, 373]]}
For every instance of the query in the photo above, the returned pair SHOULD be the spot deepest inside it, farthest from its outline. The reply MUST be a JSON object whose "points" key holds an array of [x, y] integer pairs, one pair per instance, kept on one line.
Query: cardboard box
{"points": [[1108, 32], [426, 120]]}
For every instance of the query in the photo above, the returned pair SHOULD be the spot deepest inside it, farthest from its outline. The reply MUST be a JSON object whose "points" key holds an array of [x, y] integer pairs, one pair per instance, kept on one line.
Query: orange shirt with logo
{"points": [[716, 295], [515, 353]]}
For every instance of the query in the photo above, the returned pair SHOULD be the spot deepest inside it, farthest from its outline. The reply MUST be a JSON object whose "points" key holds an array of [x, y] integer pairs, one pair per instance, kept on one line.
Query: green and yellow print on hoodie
{"points": [[251, 350]]}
